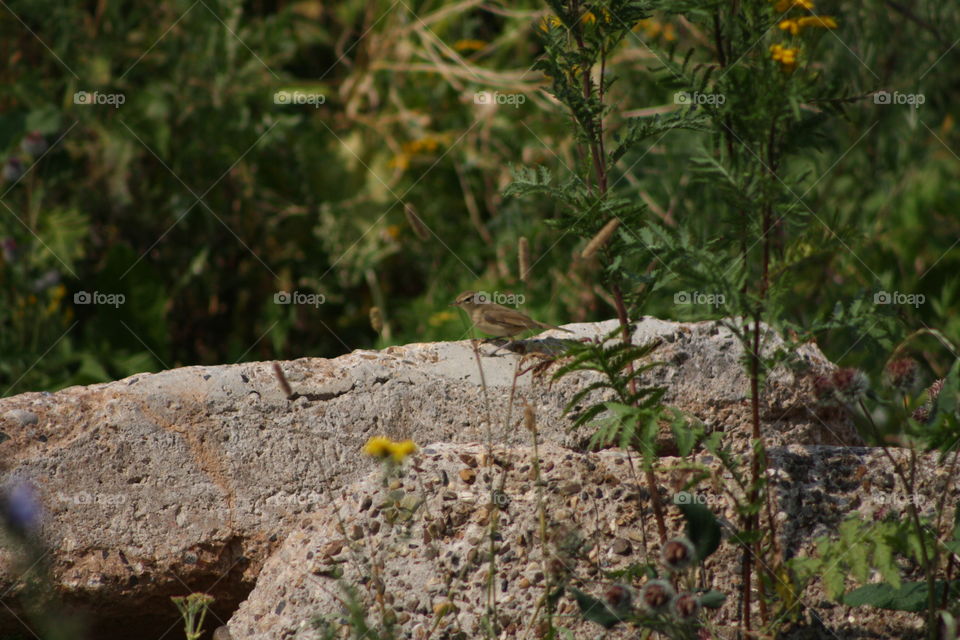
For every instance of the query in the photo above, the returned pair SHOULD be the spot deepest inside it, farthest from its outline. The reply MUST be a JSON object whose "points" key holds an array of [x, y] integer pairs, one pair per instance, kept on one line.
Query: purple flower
{"points": [[20, 507]]}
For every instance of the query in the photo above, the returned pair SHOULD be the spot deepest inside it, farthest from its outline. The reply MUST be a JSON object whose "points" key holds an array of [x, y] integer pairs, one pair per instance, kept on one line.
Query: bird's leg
{"points": [[498, 346]]}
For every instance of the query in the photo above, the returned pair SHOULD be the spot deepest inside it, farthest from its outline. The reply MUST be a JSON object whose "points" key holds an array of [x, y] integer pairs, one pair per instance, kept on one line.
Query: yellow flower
{"points": [[469, 45], [56, 295], [786, 56], [550, 22], [793, 26], [589, 18], [824, 22], [383, 448], [378, 447], [441, 318], [400, 450], [400, 161], [653, 29]]}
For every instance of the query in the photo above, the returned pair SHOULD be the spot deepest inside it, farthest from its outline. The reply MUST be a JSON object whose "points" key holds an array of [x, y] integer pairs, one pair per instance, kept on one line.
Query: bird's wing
{"points": [[495, 314]]}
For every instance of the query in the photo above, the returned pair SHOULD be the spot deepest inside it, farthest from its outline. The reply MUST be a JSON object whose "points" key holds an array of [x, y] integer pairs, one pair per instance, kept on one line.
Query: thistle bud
{"points": [[619, 598], [901, 374], [850, 385], [656, 595], [685, 606], [33, 144], [678, 554], [12, 170]]}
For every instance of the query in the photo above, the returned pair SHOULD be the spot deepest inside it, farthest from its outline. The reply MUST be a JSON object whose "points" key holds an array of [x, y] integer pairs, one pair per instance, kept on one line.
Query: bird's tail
{"points": [[544, 325]]}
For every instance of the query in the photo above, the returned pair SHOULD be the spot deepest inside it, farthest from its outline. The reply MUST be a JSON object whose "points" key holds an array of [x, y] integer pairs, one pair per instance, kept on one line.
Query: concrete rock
{"points": [[302, 589], [188, 479]]}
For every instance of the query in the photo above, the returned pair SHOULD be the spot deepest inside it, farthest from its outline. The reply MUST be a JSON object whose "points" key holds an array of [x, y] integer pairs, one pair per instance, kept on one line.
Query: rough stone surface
{"points": [[426, 544], [189, 478]]}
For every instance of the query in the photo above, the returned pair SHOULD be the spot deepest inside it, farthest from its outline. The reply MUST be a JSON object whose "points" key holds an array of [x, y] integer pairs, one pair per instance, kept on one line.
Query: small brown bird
{"points": [[496, 319]]}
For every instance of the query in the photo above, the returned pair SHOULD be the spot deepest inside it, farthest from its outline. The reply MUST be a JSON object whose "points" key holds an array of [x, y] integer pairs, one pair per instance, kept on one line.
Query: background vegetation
{"points": [[200, 197]]}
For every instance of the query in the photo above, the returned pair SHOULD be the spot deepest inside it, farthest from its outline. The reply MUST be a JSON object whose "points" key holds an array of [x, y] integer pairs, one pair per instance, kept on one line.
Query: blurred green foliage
{"points": [[202, 196]]}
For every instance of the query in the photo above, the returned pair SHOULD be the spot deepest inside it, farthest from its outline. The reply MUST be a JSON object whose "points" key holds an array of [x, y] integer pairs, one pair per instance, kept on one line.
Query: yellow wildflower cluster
{"points": [[426, 144], [384, 448], [441, 318], [786, 56], [653, 29]]}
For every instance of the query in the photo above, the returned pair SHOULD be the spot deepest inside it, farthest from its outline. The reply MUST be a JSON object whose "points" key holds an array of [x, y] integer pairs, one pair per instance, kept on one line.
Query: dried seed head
{"points": [[678, 554], [823, 390], [418, 226], [523, 259], [529, 419], [602, 237], [376, 319], [924, 412]]}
